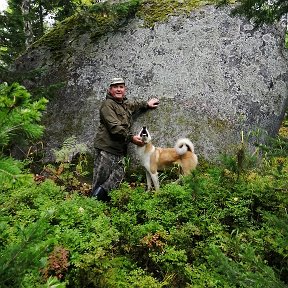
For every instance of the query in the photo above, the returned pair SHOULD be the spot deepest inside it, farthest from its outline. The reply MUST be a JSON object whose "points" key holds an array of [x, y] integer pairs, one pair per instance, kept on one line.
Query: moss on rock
{"points": [[157, 11], [102, 18], [99, 19]]}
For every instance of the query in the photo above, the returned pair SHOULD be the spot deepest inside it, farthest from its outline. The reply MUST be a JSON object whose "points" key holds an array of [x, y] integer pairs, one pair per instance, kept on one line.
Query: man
{"points": [[113, 137]]}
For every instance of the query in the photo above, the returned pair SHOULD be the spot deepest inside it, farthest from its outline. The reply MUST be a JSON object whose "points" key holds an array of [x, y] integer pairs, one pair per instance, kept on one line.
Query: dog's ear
{"points": [[141, 131]]}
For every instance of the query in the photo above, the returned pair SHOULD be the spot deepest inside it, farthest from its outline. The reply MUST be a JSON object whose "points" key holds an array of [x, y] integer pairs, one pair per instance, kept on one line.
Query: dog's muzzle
{"points": [[144, 132]]}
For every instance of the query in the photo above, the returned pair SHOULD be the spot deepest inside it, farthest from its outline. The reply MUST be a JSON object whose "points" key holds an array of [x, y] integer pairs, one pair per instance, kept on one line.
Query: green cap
{"points": [[115, 81]]}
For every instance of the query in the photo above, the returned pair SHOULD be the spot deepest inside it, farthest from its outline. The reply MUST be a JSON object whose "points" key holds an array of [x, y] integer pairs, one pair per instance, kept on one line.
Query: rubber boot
{"points": [[101, 194]]}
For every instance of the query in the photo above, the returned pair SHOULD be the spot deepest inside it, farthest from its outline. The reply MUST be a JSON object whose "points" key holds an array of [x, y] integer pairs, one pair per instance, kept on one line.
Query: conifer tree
{"points": [[12, 36], [261, 11], [19, 121], [24, 22]]}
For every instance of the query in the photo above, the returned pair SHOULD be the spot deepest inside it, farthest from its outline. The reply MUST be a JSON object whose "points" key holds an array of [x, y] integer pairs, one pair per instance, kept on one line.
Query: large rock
{"points": [[215, 75]]}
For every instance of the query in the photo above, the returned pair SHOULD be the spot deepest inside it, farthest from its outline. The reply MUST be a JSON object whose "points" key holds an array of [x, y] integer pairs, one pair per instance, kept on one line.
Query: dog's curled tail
{"points": [[183, 145]]}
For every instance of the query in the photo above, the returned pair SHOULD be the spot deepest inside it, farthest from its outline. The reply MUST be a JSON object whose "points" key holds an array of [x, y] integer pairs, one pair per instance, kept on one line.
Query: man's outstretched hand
{"points": [[153, 103]]}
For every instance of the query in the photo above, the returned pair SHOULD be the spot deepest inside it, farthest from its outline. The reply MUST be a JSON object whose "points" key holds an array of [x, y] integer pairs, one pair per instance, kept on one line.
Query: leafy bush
{"points": [[205, 233]]}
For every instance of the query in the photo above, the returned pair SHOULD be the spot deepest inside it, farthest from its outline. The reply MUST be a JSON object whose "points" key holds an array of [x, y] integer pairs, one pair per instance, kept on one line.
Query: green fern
{"points": [[69, 149]]}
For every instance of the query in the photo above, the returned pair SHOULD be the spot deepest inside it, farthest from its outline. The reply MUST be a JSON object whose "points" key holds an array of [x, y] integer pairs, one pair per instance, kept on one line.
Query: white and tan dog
{"points": [[155, 158]]}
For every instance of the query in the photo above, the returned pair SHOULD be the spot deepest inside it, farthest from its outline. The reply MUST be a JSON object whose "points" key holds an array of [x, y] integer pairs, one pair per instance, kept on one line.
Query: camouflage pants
{"points": [[108, 170]]}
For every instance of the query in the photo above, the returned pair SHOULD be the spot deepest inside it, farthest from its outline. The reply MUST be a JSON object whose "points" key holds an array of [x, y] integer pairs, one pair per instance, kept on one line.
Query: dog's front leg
{"points": [[149, 181]]}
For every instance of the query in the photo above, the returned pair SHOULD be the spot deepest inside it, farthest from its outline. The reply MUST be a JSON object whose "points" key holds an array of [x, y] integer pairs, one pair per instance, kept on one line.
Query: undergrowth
{"points": [[226, 225], [217, 229]]}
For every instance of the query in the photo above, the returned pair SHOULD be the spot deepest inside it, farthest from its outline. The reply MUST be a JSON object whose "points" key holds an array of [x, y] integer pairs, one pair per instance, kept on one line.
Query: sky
{"points": [[3, 5]]}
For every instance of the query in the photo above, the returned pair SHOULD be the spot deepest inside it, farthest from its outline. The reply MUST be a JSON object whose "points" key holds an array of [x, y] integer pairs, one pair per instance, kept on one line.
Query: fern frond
{"points": [[11, 173], [69, 148]]}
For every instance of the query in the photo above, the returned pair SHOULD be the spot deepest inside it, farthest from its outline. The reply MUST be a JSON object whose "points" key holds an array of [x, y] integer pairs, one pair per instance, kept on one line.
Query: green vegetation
{"points": [[25, 21], [19, 124], [260, 11], [226, 225]]}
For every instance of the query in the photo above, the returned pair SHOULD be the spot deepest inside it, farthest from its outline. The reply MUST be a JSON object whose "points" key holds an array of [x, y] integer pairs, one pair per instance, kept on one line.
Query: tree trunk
{"points": [[41, 18], [25, 7]]}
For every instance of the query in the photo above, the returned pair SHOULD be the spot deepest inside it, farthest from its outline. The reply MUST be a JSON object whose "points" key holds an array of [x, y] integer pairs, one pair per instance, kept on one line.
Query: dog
{"points": [[155, 159]]}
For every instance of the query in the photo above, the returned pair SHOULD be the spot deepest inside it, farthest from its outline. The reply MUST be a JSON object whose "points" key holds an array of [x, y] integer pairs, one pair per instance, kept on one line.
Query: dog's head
{"points": [[145, 135]]}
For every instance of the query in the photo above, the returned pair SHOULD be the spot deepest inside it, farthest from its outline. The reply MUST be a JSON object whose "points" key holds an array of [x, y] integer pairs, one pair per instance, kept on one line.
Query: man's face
{"points": [[117, 91]]}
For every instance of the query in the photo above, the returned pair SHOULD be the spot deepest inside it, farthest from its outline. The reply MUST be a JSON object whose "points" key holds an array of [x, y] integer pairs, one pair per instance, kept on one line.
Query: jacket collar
{"points": [[108, 96]]}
